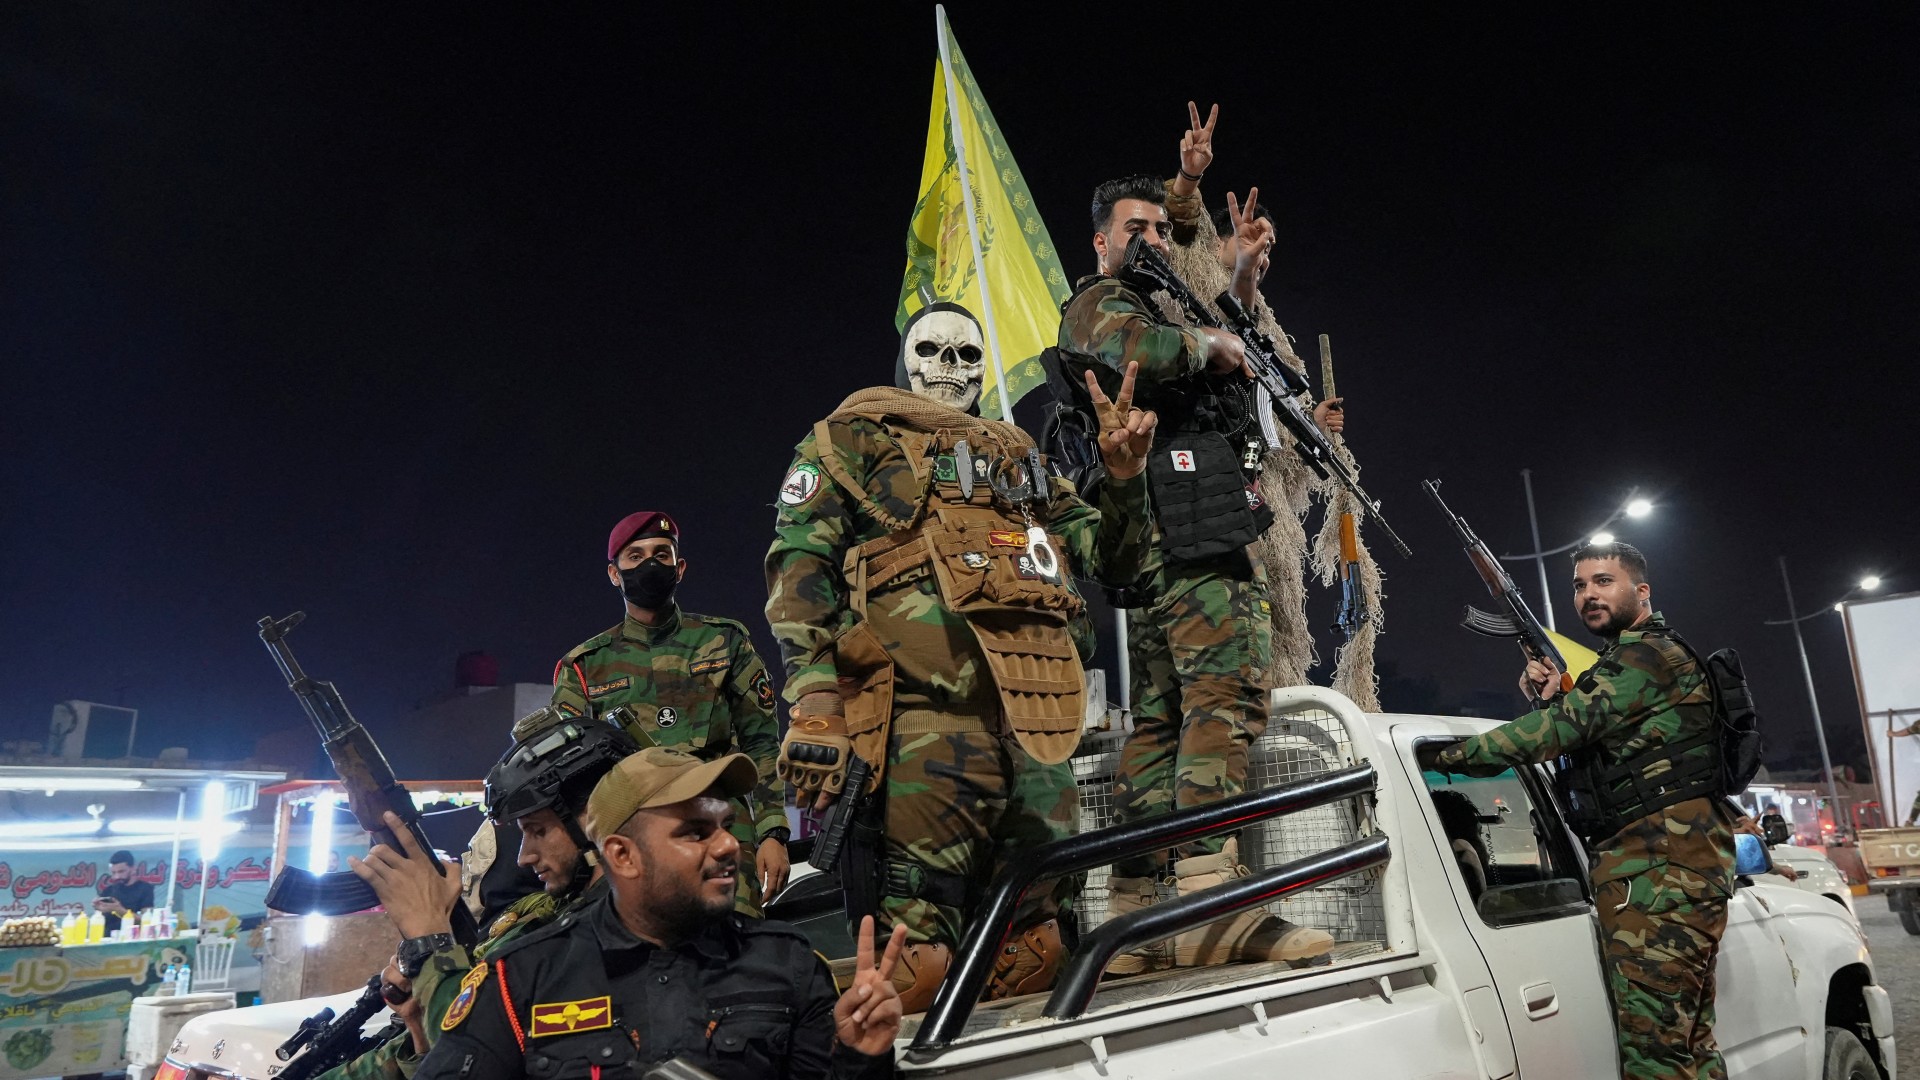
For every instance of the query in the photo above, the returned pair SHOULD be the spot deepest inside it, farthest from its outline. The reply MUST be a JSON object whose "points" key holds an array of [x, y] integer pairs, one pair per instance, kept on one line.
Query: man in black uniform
{"points": [[660, 967]]}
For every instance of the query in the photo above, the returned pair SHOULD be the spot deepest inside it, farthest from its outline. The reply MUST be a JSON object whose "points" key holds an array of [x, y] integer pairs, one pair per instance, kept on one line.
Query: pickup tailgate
{"points": [[1890, 850]]}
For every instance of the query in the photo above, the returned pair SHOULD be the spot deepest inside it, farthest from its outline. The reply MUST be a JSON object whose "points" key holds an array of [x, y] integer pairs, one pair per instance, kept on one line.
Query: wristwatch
{"points": [[413, 952], [778, 832]]}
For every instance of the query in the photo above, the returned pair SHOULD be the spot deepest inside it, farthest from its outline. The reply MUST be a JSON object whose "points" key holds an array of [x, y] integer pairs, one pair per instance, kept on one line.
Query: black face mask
{"points": [[650, 585]]}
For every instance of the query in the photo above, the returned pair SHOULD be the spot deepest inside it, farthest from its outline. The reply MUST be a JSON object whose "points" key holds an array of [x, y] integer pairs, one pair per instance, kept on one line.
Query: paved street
{"points": [[1896, 965]]}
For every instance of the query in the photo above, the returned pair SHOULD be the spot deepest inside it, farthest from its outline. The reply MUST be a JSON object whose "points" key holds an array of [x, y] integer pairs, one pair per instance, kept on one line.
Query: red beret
{"points": [[639, 526]]}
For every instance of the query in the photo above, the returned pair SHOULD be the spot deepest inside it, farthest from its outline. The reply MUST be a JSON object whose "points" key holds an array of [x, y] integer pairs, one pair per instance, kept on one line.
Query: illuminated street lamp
{"points": [[1635, 507], [1794, 619]]}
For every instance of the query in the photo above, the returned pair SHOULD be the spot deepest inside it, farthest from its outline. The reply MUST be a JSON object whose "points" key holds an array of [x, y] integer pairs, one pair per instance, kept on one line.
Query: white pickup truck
{"points": [[1467, 943]]}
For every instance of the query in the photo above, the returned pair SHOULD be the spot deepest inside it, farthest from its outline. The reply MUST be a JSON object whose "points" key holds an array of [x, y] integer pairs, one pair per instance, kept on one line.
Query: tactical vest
{"points": [[1604, 799], [970, 534], [1206, 457]]}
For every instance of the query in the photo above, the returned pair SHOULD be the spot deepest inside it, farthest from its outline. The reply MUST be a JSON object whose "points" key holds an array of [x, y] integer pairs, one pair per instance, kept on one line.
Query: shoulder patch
{"points": [[568, 1017], [763, 690], [463, 1002], [604, 688], [801, 484]]}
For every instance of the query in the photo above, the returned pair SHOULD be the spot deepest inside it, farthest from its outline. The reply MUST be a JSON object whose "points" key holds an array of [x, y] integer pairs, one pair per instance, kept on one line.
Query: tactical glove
{"points": [[815, 753]]}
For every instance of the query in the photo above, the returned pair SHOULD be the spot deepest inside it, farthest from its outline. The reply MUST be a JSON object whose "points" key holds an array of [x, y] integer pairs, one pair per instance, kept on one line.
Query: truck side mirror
{"points": [[1777, 831], [1750, 855]]}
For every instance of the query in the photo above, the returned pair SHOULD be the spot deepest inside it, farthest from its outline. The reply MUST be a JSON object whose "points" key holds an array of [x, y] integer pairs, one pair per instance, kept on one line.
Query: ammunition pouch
{"points": [[1602, 800], [1202, 500], [980, 562], [866, 689], [911, 881]]}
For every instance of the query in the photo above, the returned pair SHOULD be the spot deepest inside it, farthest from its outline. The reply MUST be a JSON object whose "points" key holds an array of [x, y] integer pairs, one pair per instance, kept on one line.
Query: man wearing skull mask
{"points": [[920, 585], [692, 682], [1200, 624]]}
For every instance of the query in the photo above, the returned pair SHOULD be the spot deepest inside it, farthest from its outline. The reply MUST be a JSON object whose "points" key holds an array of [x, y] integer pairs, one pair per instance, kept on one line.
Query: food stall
{"points": [[310, 955], [64, 1007]]}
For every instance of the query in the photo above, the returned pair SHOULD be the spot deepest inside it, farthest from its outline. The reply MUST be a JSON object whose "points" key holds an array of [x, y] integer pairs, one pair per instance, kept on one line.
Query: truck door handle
{"points": [[1541, 1000]]}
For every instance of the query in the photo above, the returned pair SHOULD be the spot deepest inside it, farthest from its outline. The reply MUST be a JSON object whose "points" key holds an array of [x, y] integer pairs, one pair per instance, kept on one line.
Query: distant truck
{"points": [[1892, 858], [1466, 940]]}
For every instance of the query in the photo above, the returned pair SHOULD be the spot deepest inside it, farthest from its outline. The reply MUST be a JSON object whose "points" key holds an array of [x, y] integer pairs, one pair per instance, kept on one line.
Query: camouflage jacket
{"points": [[1644, 690], [938, 664], [438, 984], [693, 682], [1110, 323]]}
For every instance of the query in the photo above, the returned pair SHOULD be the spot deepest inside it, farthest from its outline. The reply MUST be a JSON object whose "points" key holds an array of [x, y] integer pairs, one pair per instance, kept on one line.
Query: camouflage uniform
{"points": [[439, 983], [1661, 883], [692, 682], [1202, 649], [962, 794]]}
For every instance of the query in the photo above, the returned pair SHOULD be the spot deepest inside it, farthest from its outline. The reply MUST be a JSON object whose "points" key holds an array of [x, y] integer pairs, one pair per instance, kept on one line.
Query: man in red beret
{"points": [[691, 682]]}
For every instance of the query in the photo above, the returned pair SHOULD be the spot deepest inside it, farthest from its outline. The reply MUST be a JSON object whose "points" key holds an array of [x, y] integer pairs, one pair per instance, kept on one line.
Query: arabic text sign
{"points": [[59, 885], [64, 1009]]}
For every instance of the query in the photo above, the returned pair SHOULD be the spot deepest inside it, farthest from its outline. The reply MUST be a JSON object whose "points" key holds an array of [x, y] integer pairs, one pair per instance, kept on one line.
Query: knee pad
{"points": [[1027, 963], [919, 973]]}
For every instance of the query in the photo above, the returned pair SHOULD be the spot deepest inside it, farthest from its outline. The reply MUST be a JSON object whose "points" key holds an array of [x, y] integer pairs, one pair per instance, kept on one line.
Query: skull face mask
{"points": [[943, 355]]}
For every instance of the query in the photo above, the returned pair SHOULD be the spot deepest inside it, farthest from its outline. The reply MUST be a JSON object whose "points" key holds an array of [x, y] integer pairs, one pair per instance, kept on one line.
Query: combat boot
{"points": [[1255, 934], [1125, 895], [919, 973], [1028, 963]]}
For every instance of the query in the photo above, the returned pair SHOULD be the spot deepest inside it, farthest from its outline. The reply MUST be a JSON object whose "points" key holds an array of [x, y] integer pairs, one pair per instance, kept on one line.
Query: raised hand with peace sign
{"points": [[1126, 433], [867, 1016], [1196, 150], [1252, 239]]}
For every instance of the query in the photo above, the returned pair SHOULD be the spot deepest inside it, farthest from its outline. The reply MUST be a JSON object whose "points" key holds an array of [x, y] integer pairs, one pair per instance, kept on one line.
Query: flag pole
{"points": [[973, 222]]}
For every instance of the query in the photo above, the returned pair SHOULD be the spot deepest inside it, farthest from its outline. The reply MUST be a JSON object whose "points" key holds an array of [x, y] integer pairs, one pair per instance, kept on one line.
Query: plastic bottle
{"points": [[96, 928], [66, 929], [169, 982], [183, 984]]}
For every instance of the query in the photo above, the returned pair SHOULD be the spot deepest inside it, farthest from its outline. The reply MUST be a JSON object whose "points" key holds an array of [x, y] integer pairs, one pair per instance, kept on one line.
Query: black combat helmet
{"points": [[552, 765]]}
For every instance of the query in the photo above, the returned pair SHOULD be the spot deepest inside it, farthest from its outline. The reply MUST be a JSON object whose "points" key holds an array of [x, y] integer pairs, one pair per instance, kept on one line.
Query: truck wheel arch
{"points": [[1846, 1012]]}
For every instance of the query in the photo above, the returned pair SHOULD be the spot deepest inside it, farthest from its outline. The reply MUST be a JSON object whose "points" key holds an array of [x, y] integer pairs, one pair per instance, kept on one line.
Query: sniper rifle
{"points": [[1147, 269]]}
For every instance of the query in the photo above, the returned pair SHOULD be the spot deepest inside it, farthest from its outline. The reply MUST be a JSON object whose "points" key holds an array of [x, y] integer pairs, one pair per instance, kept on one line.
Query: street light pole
{"points": [[1813, 701], [1539, 557]]}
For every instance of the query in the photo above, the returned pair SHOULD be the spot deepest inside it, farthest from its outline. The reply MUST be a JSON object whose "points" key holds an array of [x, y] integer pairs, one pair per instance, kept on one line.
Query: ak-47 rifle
{"points": [[1353, 605], [371, 792], [1146, 268], [1518, 622]]}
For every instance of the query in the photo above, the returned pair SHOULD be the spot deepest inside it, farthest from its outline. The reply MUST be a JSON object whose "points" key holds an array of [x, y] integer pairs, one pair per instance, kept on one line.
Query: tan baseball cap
{"points": [[659, 776]]}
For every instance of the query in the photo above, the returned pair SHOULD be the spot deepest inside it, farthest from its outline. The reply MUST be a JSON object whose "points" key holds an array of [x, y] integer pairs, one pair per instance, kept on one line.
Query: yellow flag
{"points": [[1578, 657], [1024, 284]]}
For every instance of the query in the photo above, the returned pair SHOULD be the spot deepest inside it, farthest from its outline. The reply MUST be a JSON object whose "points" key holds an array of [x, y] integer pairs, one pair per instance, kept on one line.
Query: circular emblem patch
{"points": [[666, 716], [802, 484]]}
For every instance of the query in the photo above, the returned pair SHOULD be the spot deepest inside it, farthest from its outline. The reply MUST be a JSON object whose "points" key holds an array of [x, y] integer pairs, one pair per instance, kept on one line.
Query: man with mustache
{"points": [[1641, 727], [661, 967], [683, 680]]}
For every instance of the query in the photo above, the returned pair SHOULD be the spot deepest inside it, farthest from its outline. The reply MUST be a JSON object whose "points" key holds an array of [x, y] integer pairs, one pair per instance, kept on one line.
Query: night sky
{"points": [[389, 314]]}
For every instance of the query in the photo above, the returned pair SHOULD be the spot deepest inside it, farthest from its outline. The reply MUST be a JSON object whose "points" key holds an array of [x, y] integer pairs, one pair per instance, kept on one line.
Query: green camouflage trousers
{"points": [[1659, 944], [1200, 657], [961, 802]]}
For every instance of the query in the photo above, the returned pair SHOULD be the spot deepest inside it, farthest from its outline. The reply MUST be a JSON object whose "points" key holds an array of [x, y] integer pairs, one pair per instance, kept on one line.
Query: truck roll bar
{"points": [[1076, 986], [973, 962]]}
